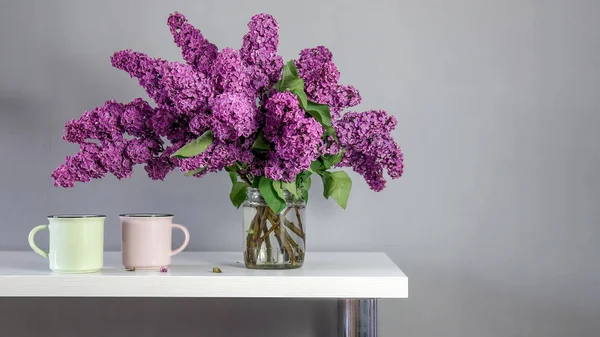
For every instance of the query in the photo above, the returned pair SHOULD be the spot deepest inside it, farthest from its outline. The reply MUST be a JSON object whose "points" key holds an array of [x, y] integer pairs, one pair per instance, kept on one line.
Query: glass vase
{"points": [[274, 241]]}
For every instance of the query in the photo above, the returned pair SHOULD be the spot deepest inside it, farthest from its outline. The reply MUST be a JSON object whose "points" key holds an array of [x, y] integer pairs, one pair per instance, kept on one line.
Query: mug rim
{"points": [[75, 216], [146, 215]]}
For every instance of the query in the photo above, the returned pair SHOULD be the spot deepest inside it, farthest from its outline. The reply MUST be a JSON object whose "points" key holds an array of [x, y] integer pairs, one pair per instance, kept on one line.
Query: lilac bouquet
{"points": [[270, 125]]}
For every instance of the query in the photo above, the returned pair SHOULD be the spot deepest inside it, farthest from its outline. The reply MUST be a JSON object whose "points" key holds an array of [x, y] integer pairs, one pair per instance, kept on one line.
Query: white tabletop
{"points": [[324, 275]]}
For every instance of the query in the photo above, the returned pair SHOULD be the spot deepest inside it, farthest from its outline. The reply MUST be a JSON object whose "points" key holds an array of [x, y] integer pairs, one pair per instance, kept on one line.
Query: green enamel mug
{"points": [[76, 242]]}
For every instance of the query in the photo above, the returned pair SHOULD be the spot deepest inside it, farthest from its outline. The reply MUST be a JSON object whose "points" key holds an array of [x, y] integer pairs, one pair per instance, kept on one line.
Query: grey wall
{"points": [[495, 221]]}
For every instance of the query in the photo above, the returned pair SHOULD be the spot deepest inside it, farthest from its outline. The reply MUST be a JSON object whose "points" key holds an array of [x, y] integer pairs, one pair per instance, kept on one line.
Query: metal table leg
{"points": [[357, 317]]}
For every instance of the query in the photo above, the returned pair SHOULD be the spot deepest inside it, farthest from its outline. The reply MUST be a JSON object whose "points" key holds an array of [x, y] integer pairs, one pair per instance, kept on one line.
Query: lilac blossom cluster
{"points": [[369, 146], [103, 147], [295, 137], [315, 66], [229, 93]]}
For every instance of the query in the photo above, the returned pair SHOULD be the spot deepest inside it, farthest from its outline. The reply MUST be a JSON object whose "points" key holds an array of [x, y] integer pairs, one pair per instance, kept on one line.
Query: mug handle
{"points": [[32, 241], [186, 239]]}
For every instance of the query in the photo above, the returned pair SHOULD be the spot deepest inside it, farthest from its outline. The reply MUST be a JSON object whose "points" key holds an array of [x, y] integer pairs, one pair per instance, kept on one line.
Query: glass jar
{"points": [[273, 241]]}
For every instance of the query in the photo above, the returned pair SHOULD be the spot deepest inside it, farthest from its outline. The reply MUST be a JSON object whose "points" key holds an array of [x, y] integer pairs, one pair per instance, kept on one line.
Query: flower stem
{"points": [[296, 208]]}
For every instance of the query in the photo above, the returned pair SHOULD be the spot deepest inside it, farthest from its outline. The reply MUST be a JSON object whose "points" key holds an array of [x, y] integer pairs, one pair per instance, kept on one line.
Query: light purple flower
{"points": [[229, 74], [188, 89], [234, 115]]}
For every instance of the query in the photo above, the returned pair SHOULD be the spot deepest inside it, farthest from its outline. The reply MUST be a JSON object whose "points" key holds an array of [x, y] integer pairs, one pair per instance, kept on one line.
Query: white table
{"points": [[357, 280]]}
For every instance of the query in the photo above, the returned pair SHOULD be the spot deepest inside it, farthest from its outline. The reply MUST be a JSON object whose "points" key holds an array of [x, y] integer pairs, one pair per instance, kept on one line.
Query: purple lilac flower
{"points": [[195, 49], [139, 151], [103, 147], [167, 83], [147, 70], [228, 93], [101, 123], [158, 167], [229, 74], [233, 116], [369, 146], [295, 137], [114, 159], [136, 118], [329, 146], [188, 89], [315, 66], [199, 124], [259, 51], [282, 108], [220, 154], [168, 123], [81, 167]]}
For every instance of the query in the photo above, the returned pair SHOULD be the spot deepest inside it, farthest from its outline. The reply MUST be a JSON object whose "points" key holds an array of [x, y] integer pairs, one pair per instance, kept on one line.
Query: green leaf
{"points": [[303, 183], [261, 144], [278, 189], [191, 173], [302, 99], [289, 79], [290, 187], [238, 193], [195, 147], [329, 131], [330, 160], [233, 176], [265, 186], [337, 185], [305, 187], [320, 112], [255, 182], [316, 165]]}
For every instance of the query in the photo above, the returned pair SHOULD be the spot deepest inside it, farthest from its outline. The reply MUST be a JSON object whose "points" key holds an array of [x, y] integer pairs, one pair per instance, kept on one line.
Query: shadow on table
{"points": [[158, 317]]}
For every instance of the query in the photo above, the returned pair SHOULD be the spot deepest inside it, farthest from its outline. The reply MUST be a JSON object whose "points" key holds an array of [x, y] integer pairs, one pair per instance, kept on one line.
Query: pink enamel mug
{"points": [[146, 240]]}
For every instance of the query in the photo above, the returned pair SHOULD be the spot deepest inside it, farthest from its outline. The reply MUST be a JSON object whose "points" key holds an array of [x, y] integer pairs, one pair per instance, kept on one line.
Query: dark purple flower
{"points": [[259, 51], [82, 167], [136, 118], [147, 70], [295, 137], [195, 49], [115, 160], [369, 146], [169, 84], [139, 151], [229, 74], [200, 123], [158, 167], [166, 122], [321, 76]]}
